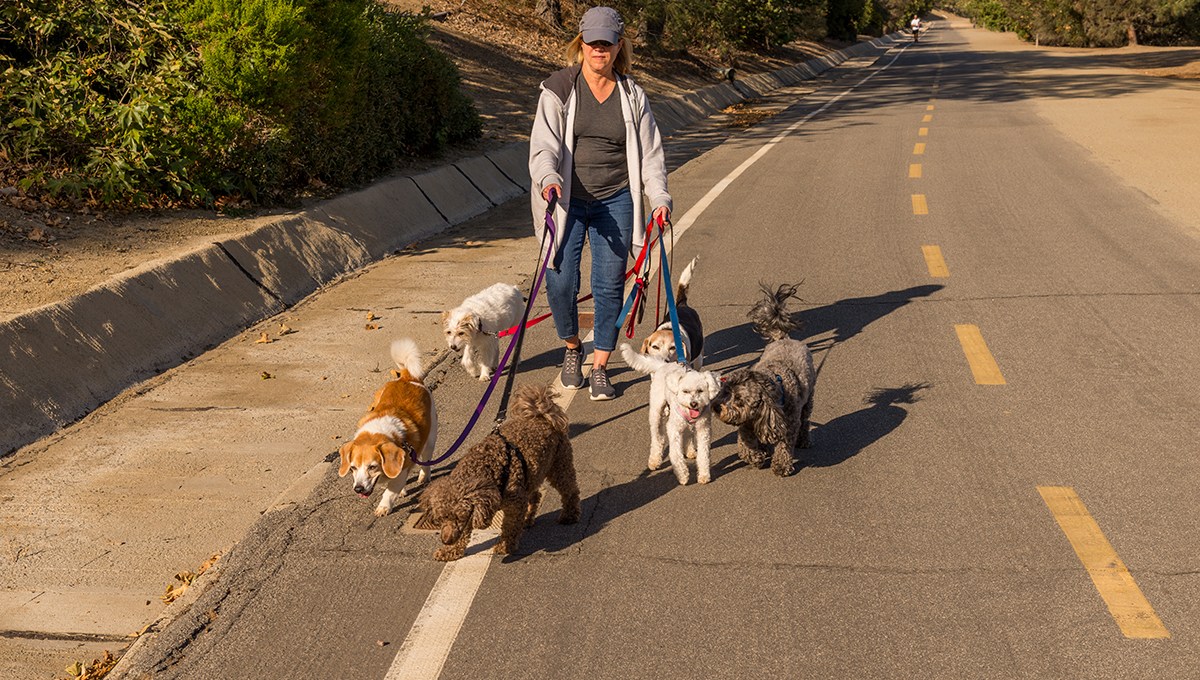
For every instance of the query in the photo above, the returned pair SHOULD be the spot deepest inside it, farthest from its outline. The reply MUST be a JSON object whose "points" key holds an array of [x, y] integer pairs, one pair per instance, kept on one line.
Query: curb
{"points": [[61, 361]]}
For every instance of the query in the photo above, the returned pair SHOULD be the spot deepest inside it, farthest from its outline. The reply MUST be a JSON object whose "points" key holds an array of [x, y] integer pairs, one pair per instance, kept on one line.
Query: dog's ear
{"points": [[646, 345], [770, 426], [484, 504], [473, 322], [445, 315], [393, 459], [344, 452], [714, 387]]}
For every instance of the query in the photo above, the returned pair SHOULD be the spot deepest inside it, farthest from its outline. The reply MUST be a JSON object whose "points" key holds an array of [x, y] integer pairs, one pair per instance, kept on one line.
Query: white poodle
{"points": [[679, 411], [472, 326]]}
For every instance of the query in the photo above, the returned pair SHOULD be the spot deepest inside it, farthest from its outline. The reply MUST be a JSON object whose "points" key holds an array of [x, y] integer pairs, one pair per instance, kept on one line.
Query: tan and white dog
{"points": [[661, 343], [472, 326], [400, 426]]}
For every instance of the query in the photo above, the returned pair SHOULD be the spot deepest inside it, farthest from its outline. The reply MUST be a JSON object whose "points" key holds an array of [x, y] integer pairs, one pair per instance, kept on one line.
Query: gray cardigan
{"points": [[552, 142]]}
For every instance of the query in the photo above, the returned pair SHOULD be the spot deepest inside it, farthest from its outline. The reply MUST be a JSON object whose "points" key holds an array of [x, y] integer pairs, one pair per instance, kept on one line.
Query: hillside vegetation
{"points": [[133, 103]]}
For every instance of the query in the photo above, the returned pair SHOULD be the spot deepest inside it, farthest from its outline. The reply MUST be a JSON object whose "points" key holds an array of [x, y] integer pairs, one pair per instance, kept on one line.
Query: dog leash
{"points": [[538, 319], [514, 344], [672, 310]]}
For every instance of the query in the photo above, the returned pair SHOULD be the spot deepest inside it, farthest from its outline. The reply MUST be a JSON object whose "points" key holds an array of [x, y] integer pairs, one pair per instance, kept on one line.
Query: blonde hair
{"points": [[622, 63]]}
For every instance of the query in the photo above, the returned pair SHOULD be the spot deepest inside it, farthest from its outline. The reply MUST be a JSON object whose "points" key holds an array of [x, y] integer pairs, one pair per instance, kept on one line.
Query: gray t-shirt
{"points": [[600, 166]]}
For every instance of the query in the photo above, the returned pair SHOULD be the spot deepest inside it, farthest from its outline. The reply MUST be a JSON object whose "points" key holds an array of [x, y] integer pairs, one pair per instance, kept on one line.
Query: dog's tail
{"points": [[408, 359], [685, 280], [537, 401], [770, 316], [639, 362]]}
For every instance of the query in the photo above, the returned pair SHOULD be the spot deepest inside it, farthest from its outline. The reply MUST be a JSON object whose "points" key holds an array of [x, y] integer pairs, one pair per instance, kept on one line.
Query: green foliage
{"points": [[746, 24], [1089, 23], [130, 103]]}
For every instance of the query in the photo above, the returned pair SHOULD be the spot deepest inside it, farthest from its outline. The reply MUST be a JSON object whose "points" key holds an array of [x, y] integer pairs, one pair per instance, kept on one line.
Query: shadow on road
{"points": [[846, 436]]}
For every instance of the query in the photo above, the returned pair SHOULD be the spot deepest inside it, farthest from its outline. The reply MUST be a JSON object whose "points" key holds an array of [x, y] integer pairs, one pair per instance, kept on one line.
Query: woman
{"points": [[596, 147]]}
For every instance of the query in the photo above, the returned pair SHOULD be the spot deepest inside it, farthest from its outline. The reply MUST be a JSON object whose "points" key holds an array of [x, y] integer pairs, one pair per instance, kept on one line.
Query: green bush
{"points": [[187, 100]]}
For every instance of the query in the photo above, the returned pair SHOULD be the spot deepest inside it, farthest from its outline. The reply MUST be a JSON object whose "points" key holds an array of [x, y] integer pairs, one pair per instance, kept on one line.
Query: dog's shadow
{"points": [[599, 510], [825, 326], [846, 436]]}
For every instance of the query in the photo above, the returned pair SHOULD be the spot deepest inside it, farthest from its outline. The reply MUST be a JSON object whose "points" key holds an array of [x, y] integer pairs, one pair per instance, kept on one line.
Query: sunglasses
{"points": [[600, 44]]}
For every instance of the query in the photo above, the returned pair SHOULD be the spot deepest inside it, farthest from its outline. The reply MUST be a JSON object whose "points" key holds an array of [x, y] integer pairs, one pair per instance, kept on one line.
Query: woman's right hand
{"points": [[551, 187]]}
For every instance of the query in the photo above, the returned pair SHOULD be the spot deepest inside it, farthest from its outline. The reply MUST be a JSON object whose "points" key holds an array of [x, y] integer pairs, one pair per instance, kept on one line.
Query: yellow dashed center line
{"points": [[919, 148], [923, 132], [919, 205], [1128, 606], [914, 170], [935, 262], [927, 118], [983, 365]]}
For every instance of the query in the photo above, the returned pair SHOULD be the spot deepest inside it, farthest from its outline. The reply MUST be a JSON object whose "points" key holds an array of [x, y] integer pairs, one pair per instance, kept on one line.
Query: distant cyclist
{"points": [[916, 28]]}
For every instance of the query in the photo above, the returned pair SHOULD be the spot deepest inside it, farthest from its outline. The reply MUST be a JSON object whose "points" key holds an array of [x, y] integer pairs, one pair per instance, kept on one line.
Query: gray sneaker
{"points": [[601, 390], [572, 369]]}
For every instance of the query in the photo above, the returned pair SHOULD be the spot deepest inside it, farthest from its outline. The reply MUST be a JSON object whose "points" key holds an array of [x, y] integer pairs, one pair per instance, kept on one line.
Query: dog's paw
{"points": [[703, 479], [504, 547], [447, 553], [565, 517], [382, 510], [783, 469], [654, 463]]}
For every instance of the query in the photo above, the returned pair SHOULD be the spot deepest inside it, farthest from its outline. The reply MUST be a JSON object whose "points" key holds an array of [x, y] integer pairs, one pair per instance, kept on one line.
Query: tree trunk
{"points": [[1131, 33], [549, 12]]}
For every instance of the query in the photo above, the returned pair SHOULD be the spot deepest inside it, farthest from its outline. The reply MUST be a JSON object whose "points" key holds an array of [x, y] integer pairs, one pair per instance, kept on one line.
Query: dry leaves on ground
{"points": [[186, 578], [95, 670]]}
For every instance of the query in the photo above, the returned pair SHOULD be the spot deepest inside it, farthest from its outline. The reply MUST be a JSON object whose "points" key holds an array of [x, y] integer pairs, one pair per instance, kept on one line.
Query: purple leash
{"points": [[515, 343]]}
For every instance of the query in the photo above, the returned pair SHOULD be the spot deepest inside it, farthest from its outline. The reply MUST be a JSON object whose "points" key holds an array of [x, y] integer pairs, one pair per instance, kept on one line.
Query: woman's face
{"points": [[599, 56]]}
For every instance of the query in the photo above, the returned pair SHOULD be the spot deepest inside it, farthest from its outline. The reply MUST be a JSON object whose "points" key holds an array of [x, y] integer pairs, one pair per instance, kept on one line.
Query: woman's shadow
{"points": [[846, 436]]}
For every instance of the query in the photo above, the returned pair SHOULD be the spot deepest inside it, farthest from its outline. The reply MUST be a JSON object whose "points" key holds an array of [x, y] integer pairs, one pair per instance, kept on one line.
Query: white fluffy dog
{"points": [[472, 326], [679, 411]]}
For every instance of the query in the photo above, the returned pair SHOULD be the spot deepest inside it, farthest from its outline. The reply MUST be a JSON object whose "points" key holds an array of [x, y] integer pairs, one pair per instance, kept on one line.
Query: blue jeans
{"points": [[608, 225]]}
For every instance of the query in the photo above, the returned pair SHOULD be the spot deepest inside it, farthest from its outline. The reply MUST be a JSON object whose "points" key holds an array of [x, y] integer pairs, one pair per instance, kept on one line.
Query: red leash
{"points": [[639, 287]]}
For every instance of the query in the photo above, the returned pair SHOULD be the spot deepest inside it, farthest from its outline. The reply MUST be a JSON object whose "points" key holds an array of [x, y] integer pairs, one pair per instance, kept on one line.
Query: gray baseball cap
{"points": [[601, 23]]}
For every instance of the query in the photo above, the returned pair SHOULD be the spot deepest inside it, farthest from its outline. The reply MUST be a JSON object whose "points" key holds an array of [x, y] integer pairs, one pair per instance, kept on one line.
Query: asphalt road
{"points": [[920, 537]]}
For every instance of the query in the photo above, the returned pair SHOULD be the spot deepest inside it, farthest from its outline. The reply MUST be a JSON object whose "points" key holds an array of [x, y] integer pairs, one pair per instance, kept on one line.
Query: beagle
{"points": [[399, 428]]}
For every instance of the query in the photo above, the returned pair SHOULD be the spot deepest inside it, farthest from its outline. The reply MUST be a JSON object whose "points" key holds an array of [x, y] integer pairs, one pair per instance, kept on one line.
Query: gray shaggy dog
{"points": [[771, 402], [505, 472]]}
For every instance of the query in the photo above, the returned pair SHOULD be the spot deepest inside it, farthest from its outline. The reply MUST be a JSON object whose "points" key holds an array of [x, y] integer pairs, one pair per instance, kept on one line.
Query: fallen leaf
{"points": [[284, 329], [263, 339], [266, 376], [381, 643], [371, 316], [371, 327], [75, 669], [37, 234]]}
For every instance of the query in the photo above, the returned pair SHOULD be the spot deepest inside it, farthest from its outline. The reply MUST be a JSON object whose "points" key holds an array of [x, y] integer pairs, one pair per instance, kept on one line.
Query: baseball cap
{"points": [[601, 23]]}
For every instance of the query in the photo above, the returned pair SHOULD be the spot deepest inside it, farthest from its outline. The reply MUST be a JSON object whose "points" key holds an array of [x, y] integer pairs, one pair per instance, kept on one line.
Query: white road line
{"points": [[428, 644], [689, 218]]}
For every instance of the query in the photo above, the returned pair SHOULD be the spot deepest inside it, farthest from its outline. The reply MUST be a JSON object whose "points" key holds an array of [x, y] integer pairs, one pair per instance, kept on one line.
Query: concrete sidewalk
{"points": [[100, 515]]}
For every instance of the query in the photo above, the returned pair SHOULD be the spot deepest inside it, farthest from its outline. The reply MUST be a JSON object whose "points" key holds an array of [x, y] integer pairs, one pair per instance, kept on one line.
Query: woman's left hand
{"points": [[661, 214]]}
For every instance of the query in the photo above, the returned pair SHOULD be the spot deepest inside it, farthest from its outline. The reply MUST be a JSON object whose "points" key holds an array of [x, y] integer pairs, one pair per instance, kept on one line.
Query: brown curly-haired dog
{"points": [[505, 472], [771, 402]]}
